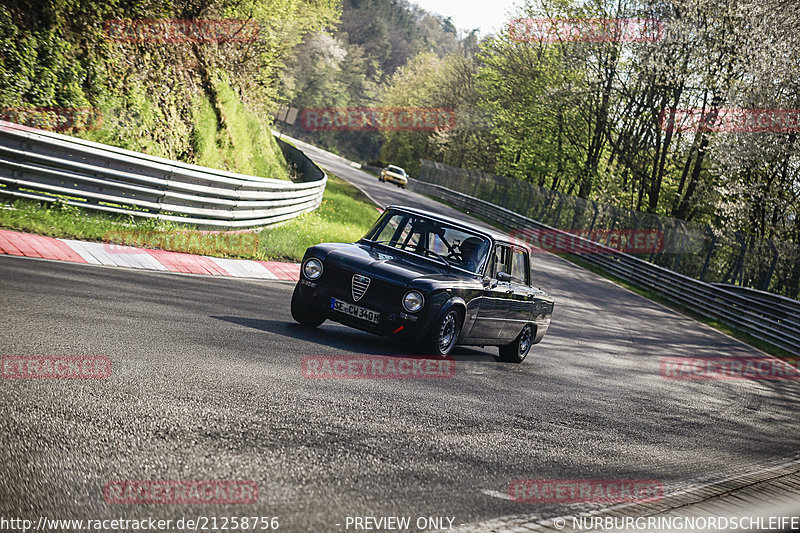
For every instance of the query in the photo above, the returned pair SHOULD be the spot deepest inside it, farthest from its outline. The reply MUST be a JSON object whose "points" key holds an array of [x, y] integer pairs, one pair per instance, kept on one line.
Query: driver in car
{"points": [[471, 253]]}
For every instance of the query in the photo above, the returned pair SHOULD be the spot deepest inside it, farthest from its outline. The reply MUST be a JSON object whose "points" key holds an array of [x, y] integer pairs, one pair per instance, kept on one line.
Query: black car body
{"points": [[427, 278]]}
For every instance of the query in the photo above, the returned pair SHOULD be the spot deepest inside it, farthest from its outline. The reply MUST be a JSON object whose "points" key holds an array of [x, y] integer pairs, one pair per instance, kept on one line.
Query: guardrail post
{"points": [[736, 267], [614, 219], [594, 217], [502, 201], [768, 277], [710, 251], [527, 203], [494, 190], [558, 210], [576, 212], [450, 177], [660, 229], [679, 255], [548, 193]]}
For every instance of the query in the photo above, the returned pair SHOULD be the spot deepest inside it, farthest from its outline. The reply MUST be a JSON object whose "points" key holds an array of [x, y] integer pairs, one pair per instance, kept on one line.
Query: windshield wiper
{"points": [[424, 252], [445, 261]]}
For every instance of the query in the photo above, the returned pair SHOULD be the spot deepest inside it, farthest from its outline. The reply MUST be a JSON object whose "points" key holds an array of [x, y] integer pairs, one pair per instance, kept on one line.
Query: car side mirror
{"points": [[503, 276]]}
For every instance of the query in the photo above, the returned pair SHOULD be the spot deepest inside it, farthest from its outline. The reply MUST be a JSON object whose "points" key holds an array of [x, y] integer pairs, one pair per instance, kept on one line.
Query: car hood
{"points": [[380, 263]]}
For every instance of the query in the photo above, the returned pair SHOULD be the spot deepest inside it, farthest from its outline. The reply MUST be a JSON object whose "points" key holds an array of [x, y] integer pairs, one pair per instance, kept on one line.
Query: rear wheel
{"points": [[302, 313], [517, 351], [444, 334]]}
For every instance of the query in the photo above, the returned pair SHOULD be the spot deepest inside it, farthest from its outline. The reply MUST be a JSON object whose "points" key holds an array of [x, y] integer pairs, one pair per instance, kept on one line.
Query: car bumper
{"points": [[394, 321], [395, 179], [542, 326]]}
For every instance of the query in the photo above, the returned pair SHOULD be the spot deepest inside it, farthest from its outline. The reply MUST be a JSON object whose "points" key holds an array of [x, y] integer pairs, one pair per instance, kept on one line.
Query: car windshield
{"points": [[396, 170], [432, 239]]}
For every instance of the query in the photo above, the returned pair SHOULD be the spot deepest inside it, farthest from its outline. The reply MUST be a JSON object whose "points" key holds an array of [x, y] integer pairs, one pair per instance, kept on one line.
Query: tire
{"points": [[444, 334], [302, 313], [517, 351]]}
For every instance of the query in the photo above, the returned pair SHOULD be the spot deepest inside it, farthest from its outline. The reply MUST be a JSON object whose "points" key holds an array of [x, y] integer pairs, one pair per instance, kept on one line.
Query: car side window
{"points": [[500, 260], [520, 272]]}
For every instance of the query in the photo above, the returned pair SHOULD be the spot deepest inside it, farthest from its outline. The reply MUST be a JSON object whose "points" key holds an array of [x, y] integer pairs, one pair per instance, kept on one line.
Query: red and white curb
{"points": [[27, 245]]}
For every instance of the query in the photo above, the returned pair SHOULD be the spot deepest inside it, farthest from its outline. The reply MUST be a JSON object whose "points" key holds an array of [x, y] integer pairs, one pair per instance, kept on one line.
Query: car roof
{"points": [[494, 235]]}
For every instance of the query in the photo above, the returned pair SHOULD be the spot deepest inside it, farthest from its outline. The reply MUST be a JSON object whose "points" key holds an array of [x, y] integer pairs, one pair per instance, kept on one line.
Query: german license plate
{"points": [[356, 311]]}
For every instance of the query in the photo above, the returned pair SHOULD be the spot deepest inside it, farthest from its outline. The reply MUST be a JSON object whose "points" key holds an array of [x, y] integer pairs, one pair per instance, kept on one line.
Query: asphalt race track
{"points": [[206, 384]]}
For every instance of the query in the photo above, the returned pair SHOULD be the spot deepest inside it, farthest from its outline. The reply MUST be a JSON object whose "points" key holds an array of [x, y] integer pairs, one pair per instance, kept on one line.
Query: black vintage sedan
{"points": [[429, 279]]}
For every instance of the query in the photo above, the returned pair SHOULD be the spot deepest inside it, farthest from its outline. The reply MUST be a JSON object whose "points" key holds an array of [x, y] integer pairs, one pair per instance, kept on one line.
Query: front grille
{"points": [[360, 285]]}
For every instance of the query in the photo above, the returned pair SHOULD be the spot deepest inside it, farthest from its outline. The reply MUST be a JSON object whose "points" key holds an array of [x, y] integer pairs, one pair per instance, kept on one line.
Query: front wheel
{"points": [[517, 351], [444, 334], [302, 313]]}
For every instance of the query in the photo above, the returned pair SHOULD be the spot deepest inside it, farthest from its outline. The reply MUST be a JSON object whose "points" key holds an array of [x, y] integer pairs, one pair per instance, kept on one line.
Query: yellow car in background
{"points": [[393, 174]]}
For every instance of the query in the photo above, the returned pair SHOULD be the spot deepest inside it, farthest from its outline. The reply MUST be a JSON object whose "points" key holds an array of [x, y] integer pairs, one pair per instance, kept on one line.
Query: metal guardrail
{"points": [[44, 166], [778, 325], [779, 305]]}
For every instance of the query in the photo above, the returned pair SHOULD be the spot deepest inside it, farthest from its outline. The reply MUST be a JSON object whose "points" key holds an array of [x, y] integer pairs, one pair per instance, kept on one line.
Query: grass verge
{"points": [[345, 215]]}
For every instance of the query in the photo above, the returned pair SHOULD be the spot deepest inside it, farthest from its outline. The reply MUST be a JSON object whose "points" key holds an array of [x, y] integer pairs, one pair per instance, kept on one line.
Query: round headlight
{"points": [[312, 269], [413, 301]]}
